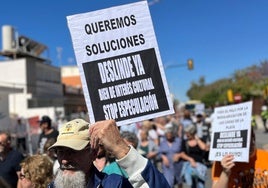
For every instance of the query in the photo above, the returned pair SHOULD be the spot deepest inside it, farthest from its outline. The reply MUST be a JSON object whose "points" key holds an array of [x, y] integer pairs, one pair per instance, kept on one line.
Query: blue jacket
{"points": [[141, 172]]}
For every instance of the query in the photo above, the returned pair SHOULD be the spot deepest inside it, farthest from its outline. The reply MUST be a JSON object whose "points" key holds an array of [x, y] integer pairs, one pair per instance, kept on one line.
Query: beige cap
{"points": [[73, 134]]}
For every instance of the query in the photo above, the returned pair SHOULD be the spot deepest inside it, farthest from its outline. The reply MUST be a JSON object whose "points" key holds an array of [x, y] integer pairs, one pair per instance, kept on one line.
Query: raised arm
{"points": [[227, 164], [141, 172]]}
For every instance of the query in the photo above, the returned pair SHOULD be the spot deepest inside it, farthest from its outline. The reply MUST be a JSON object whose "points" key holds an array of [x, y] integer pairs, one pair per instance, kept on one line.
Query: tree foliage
{"points": [[249, 82]]}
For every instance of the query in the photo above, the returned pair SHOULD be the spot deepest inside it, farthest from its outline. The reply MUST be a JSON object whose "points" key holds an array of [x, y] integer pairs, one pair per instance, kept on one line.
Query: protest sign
{"points": [[119, 63], [231, 131]]}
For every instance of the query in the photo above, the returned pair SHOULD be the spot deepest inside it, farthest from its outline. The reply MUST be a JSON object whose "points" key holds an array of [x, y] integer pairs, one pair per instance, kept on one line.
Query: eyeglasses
{"points": [[21, 176], [63, 150]]}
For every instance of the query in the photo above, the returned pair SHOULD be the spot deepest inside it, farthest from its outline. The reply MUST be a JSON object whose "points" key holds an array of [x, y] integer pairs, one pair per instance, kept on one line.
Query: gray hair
{"points": [[191, 129], [130, 137]]}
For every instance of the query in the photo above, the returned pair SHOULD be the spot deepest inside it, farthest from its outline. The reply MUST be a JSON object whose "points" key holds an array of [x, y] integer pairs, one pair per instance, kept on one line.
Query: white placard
{"points": [[120, 64], [231, 131]]}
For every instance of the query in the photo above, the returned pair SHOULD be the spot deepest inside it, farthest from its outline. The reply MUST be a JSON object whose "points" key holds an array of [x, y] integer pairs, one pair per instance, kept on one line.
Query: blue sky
{"points": [[221, 36]]}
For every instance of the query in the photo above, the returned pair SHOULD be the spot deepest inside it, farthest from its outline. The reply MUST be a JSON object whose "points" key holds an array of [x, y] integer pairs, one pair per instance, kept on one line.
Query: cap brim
{"points": [[74, 144], [43, 121]]}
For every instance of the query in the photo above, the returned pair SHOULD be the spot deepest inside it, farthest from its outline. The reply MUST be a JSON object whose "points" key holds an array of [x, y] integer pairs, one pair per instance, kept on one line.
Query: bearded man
{"points": [[78, 145]]}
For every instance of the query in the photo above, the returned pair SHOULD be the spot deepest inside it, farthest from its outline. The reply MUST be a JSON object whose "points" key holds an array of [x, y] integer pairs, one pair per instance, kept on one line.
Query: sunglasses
{"points": [[63, 150]]}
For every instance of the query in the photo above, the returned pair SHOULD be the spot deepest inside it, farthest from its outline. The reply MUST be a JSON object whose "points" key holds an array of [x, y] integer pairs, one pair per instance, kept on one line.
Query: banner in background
{"points": [[231, 132]]}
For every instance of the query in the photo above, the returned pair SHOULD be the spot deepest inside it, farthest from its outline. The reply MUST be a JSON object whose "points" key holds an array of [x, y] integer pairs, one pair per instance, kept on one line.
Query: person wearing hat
{"points": [[48, 132], [78, 145]]}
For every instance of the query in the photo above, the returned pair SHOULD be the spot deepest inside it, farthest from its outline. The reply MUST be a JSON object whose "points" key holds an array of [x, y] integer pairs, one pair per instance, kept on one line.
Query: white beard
{"points": [[76, 180]]}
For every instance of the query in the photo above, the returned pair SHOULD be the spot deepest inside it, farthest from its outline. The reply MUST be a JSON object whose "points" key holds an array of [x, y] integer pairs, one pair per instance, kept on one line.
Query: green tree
{"points": [[249, 82]]}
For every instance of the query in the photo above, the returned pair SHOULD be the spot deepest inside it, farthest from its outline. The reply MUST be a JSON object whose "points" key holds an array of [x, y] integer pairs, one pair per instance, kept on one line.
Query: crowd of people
{"points": [[169, 151]]}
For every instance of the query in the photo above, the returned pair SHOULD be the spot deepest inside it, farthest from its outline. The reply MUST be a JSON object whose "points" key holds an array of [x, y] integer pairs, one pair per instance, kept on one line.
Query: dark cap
{"points": [[199, 115], [45, 119]]}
